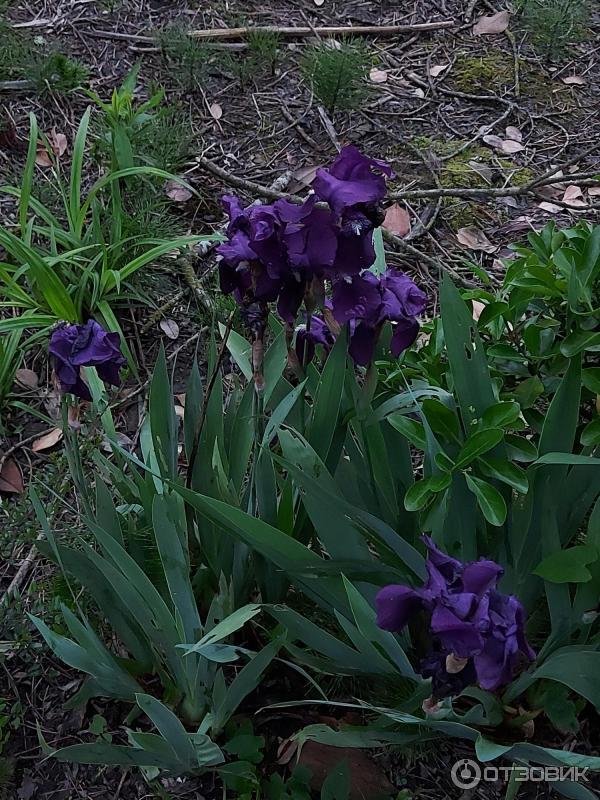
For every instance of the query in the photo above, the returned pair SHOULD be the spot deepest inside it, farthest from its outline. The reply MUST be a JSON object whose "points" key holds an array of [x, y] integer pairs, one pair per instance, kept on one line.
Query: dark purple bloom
{"points": [[89, 345], [444, 683], [352, 180], [506, 644], [370, 301], [310, 235], [469, 618], [306, 340]]}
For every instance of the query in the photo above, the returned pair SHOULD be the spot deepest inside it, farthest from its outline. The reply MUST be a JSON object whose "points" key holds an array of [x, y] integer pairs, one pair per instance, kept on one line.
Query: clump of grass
{"points": [[554, 24], [15, 52], [190, 56], [263, 48], [337, 72], [166, 140], [58, 72], [258, 59]]}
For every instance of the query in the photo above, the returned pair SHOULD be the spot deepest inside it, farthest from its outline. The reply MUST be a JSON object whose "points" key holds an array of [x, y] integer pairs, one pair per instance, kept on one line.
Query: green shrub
{"points": [[188, 55], [336, 72], [57, 73], [554, 24]]}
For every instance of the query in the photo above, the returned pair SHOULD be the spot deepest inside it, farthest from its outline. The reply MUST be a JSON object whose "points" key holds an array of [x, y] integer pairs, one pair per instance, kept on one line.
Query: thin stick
{"points": [[24, 568], [335, 30]]}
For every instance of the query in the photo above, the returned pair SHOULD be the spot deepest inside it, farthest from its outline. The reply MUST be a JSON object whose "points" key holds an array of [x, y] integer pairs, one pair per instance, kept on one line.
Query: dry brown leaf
{"points": [[551, 208], [510, 146], [572, 192], [48, 440], [477, 309], [11, 479], [437, 69], [594, 191], [483, 169], [418, 92], [26, 378], [216, 111], [170, 328], [58, 145], [73, 416], [42, 156], [574, 80], [513, 133], [378, 75], [367, 779], [493, 140], [574, 196], [303, 177], [176, 192], [496, 23], [475, 239], [397, 220]]}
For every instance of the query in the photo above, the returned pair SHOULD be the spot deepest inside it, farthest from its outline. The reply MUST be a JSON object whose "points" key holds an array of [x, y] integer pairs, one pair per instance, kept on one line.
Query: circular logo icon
{"points": [[465, 774]]}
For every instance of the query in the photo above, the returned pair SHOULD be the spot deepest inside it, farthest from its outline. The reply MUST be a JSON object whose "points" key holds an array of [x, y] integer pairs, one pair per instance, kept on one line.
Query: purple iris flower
{"points": [[306, 340], [469, 619], [370, 301], [352, 180], [310, 235], [89, 345]]}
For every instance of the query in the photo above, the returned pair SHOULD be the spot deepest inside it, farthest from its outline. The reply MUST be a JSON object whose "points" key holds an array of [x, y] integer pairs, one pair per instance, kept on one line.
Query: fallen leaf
{"points": [[476, 313], [510, 146], [170, 328], [48, 440], [11, 479], [594, 191], [303, 177], [378, 75], [419, 93], [216, 111], [509, 201], [513, 133], [42, 156], [179, 411], [57, 142], [551, 208], [483, 169], [123, 441], [496, 23], [175, 191], [475, 239], [319, 2], [493, 141], [574, 80], [73, 415], [572, 193], [397, 220], [367, 779], [26, 378], [574, 196], [437, 69]]}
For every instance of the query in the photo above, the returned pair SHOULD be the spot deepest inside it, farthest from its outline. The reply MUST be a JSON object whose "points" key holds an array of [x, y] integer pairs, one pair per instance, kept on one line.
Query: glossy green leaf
{"points": [[568, 566], [478, 444], [489, 499]]}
